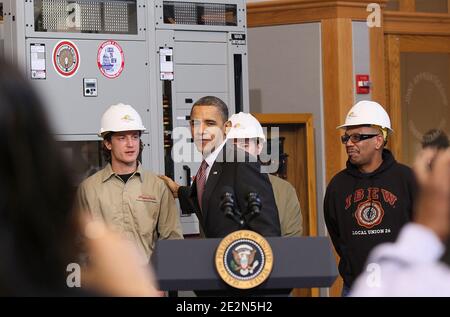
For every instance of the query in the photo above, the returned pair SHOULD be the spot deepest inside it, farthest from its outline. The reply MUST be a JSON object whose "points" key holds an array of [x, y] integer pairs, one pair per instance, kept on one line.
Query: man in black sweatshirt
{"points": [[369, 201]]}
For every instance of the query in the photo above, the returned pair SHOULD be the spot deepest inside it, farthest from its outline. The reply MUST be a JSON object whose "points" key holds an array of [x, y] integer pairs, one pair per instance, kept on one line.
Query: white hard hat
{"points": [[367, 112], [120, 117], [245, 126]]}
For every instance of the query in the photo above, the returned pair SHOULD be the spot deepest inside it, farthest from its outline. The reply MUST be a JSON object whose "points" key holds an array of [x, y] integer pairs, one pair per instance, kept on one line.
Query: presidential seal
{"points": [[244, 259]]}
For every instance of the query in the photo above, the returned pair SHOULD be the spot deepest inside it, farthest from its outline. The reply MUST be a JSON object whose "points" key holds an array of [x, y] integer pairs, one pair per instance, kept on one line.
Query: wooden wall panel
{"points": [[407, 5], [377, 64], [337, 87], [337, 51], [394, 107], [424, 44], [416, 23]]}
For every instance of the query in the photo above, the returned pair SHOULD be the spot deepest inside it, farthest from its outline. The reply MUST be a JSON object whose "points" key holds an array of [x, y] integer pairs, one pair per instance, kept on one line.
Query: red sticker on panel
{"points": [[66, 59]]}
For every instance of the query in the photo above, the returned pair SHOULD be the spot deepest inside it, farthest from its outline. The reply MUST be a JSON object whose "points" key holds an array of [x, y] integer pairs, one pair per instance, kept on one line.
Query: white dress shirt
{"points": [[211, 158], [408, 267]]}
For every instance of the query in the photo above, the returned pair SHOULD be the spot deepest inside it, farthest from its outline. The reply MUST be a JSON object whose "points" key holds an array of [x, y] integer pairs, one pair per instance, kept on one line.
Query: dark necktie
{"points": [[200, 180]]}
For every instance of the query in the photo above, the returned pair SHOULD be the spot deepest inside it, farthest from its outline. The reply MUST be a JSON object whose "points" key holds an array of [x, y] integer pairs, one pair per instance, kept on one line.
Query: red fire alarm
{"points": [[362, 84]]}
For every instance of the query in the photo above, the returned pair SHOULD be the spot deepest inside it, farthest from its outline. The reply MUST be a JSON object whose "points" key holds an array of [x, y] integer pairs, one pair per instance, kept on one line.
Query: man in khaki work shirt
{"points": [[131, 201]]}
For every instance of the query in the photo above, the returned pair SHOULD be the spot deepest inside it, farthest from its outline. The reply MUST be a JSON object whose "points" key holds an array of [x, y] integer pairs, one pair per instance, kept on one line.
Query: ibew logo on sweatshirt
{"points": [[369, 213]]}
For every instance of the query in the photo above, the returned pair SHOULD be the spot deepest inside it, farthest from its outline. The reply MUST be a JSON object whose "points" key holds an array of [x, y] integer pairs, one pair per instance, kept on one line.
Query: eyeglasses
{"points": [[356, 137]]}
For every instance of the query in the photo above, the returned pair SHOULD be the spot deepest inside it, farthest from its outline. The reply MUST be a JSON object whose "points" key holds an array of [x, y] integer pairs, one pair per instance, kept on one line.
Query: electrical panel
{"points": [[158, 56]]}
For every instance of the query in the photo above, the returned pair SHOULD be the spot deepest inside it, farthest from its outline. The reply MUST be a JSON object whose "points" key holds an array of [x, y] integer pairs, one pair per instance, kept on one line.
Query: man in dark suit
{"points": [[224, 169]]}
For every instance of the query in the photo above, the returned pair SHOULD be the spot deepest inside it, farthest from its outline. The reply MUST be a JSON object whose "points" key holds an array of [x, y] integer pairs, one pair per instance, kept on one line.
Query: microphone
{"points": [[254, 205], [228, 206]]}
